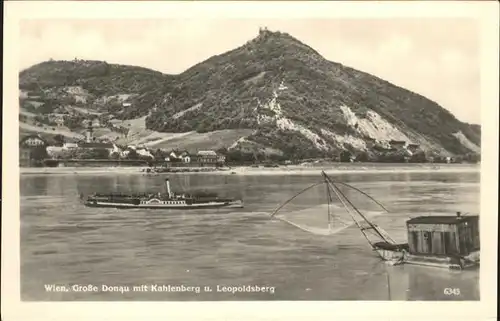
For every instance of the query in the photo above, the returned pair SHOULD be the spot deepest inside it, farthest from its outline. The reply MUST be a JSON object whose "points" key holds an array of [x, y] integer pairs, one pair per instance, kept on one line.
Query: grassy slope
{"points": [[202, 141], [229, 86]]}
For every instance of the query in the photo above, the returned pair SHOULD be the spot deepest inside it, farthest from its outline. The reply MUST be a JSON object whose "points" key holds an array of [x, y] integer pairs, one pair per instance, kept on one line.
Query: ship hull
{"points": [[210, 205], [392, 253], [455, 263]]}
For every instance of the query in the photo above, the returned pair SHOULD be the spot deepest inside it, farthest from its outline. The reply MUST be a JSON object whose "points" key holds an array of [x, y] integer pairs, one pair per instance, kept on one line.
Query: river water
{"points": [[134, 254]]}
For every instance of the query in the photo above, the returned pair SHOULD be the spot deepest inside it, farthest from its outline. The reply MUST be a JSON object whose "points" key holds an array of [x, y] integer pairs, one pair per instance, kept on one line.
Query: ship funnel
{"points": [[167, 187]]}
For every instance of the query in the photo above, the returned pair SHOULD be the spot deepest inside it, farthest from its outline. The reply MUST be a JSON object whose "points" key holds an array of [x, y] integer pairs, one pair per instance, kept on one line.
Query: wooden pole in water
{"points": [[388, 284]]}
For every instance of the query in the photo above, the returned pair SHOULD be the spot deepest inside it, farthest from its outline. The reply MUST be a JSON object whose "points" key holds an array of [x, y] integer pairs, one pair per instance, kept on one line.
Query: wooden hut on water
{"points": [[452, 241]]}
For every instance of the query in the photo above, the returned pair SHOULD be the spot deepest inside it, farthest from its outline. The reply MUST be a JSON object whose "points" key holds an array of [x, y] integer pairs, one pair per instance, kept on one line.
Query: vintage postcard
{"points": [[208, 160]]}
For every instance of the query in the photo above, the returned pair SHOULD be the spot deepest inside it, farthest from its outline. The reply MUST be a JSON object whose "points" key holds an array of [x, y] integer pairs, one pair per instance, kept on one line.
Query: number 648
{"points": [[452, 291]]}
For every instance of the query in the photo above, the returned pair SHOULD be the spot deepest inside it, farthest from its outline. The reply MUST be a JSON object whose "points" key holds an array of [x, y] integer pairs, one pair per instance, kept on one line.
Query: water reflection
{"points": [[64, 242]]}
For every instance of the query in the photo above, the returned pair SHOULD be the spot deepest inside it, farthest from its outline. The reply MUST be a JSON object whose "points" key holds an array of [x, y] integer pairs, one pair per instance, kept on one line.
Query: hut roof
{"points": [[397, 142], [442, 219]]}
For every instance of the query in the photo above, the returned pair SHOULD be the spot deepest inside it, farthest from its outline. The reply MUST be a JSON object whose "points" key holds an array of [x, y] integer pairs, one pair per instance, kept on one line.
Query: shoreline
{"points": [[247, 170]]}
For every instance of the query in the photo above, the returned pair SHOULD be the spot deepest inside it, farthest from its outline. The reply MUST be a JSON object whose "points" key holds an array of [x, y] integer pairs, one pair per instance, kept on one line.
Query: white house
{"points": [[124, 153], [186, 159], [116, 149], [144, 152], [54, 150], [70, 145]]}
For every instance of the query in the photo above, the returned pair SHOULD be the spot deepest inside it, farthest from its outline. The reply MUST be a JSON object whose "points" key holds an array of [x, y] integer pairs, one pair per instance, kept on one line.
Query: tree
{"points": [[345, 156], [362, 157], [114, 155], [222, 151], [59, 140], [418, 157], [38, 153], [472, 158], [132, 154], [392, 157], [160, 154]]}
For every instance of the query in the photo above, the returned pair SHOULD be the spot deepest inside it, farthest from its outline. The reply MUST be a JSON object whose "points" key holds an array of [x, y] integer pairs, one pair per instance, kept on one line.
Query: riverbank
{"points": [[247, 170]]}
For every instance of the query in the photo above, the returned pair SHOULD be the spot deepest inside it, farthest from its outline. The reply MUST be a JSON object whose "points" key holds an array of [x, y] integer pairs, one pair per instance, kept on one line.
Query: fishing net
{"points": [[321, 210]]}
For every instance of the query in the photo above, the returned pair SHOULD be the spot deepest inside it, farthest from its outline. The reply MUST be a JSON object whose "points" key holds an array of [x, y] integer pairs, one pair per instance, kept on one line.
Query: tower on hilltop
{"points": [[263, 30]]}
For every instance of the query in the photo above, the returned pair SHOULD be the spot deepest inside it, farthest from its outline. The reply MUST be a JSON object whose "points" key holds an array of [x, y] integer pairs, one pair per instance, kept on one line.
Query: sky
{"points": [[438, 58]]}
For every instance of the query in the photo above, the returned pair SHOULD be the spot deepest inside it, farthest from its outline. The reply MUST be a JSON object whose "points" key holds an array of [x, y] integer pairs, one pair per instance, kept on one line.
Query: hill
{"points": [[273, 94]]}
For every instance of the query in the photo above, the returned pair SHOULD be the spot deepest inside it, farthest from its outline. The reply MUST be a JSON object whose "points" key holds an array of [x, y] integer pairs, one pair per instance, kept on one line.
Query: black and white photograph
{"points": [[251, 158]]}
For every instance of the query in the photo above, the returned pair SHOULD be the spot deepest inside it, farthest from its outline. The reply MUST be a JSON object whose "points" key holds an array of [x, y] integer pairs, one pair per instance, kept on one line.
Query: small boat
{"points": [[168, 200], [379, 240]]}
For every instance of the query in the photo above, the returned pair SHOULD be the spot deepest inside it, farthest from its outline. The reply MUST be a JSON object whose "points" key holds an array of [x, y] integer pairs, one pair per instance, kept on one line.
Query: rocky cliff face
{"points": [[281, 95]]}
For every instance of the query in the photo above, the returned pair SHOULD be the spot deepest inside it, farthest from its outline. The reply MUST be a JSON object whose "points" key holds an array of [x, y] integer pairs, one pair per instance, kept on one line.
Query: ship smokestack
{"points": [[459, 214], [167, 186]]}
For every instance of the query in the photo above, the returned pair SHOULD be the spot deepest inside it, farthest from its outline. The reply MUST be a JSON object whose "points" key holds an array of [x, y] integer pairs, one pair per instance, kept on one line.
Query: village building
{"points": [[185, 157], [383, 148], [53, 151], [413, 147], [370, 142], [397, 144], [32, 141], [144, 152], [179, 157], [31, 147], [57, 118], [209, 158], [172, 157], [221, 159], [70, 145]]}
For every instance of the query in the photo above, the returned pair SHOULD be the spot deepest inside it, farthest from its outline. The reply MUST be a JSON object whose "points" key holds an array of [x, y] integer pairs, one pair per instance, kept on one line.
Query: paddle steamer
{"points": [[168, 200]]}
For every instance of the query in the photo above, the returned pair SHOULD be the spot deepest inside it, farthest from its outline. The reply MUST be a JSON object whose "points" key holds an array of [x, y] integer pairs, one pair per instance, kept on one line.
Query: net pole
{"points": [[348, 211], [386, 239], [302, 191], [328, 198]]}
